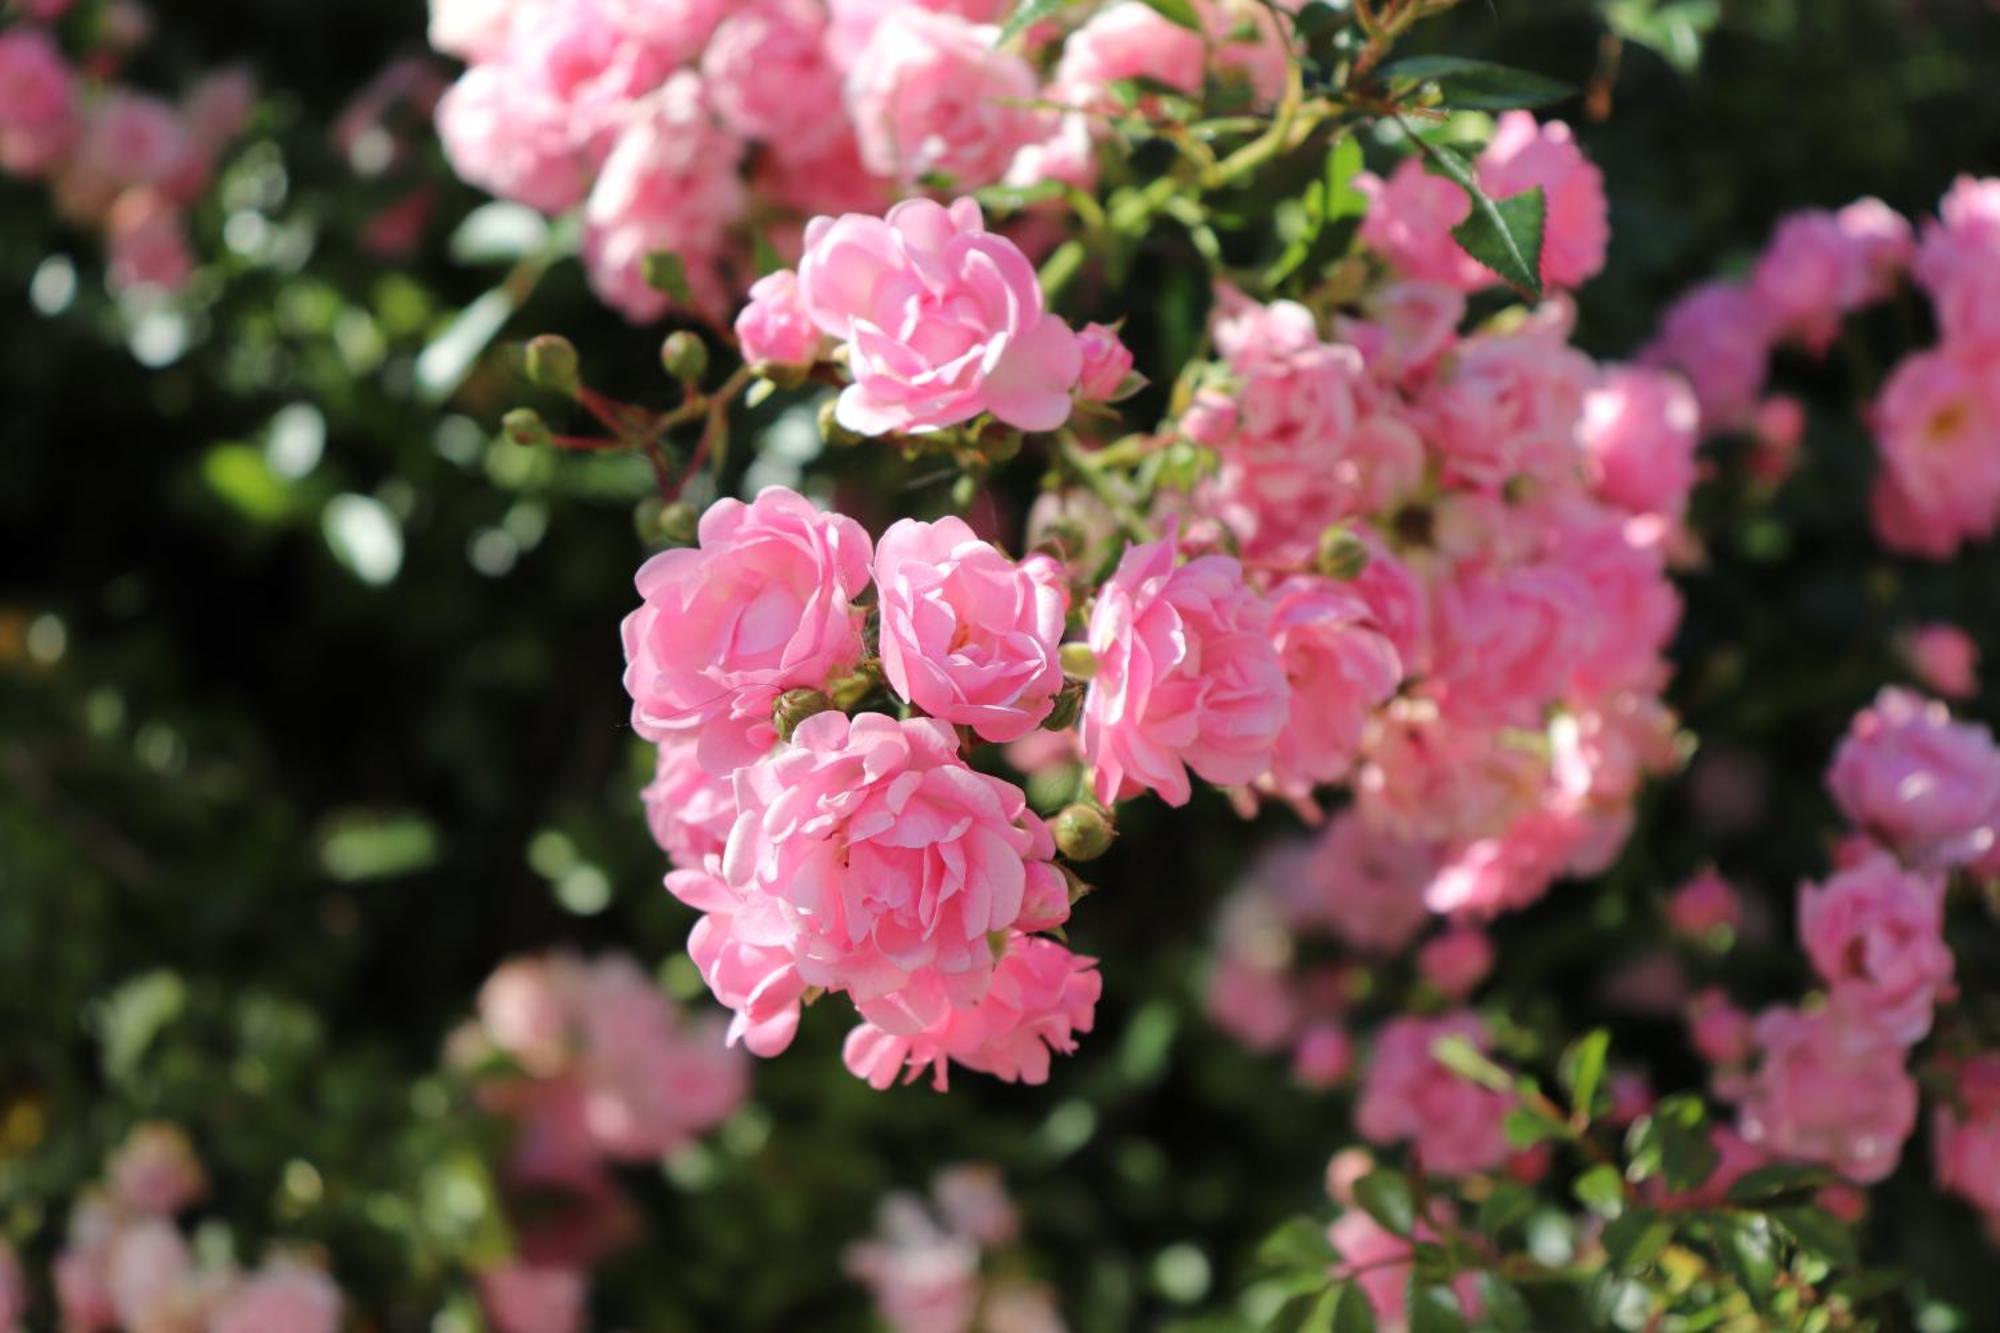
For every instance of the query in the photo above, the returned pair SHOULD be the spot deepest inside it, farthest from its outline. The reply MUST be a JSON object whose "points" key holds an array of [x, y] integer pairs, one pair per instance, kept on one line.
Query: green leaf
{"points": [[1507, 1206], [1027, 14], [1505, 236], [1307, 1312], [498, 233], [444, 364], [1434, 1309], [1766, 1183], [359, 845], [243, 477], [1601, 1189], [1177, 11], [1820, 1234], [1461, 1057], [1673, 1142], [1506, 1309], [1479, 85], [131, 1017], [1298, 1243], [1385, 1196], [1353, 1314], [1582, 1069], [1525, 1127], [1637, 1237], [666, 272], [1747, 1249], [1674, 29], [1344, 162]]}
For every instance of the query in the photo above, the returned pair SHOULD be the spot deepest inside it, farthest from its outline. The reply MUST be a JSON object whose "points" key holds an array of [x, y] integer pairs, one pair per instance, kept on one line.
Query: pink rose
{"points": [[1340, 668], [1367, 886], [520, 1298], [283, 1295], [1721, 1033], [1639, 431], [38, 115], [1409, 221], [1945, 659], [1407, 1093], [1187, 677], [1378, 1261], [1435, 776], [1875, 934], [1926, 785], [1716, 335], [1959, 262], [750, 971], [1508, 406], [1252, 1002], [1704, 905], [149, 1271], [1410, 325], [943, 321], [1937, 421], [147, 242], [871, 853], [1966, 1135], [1323, 1057], [524, 1008], [764, 604], [1809, 277], [1830, 1087], [1107, 364], [1777, 429], [688, 809], [768, 76], [774, 327], [1508, 870], [1456, 961], [670, 185], [509, 144], [1508, 641], [155, 1171], [931, 94], [1125, 41], [1040, 998], [129, 140], [972, 1197], [1523, 156], [968, 635], [922, 1277], [651, 1080], [473, 30]]}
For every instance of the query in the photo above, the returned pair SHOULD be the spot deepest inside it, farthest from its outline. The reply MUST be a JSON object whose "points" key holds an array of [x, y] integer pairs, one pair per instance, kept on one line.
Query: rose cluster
{"points": [[125, 162], [127, 1267], [590, 1064], [1936, 418], [704, 129], [923, 1264], [1829, 1082]]}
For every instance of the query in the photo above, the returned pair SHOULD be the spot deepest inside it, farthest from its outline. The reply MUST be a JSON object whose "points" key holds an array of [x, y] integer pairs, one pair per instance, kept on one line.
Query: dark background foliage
{"points": [[265, 825]]}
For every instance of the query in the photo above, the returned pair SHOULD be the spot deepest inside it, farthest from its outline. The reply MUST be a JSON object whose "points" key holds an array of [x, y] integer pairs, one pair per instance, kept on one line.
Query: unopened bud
{"points": [[1078, 662], [1068, 705], [830, 428], [849, 690], [1082, 832], [524, 426], [1000, 444], [794, 707], [1342, 555], [964, 491], [685, 356], [549, 362]]}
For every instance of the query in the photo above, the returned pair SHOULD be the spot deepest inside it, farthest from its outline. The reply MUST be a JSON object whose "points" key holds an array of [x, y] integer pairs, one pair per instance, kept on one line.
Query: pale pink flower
{"points": [[38, 104], [523, 1298], [147, 244], [1340, 668], [1875, 934], [931, 94], [1367, 886], [1777, 430], [1409, 222], [669, 185], [1830, 1087], [1040, 998], [972, 1199], [774, 327], [473, 30], [1122, 41], [149, 1274], [1410, 325], [1435, 776], [816, 178], [82, 1267], [688, 809], [1508, 406], [1922, 783], [1187, 677], [1252, 1001], [524, 1008], [923, 1278], [1966, 1134], [280, 1295], [1510, 869], [1107, 363], [754, 978], [129, 140], [1407, 1093], [651, 1080], [1323, 1056], [943, 320], [1883, 246], [1721, 1033], [1523, 156], [768, 76], [1809, 277], [1621, 564], [1639, 431], [1508, 641], [1716, 335], [1938, 424], [852, 22], [1959, 262], [870, 851], [155, 1171], [1945, 659], [510, 144], [764, 604], [1457, 961], [1705, 904], [967, 634]]}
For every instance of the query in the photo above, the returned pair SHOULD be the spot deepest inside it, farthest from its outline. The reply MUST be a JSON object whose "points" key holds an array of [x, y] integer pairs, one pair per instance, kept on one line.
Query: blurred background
{"points": [[310, 710]]}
